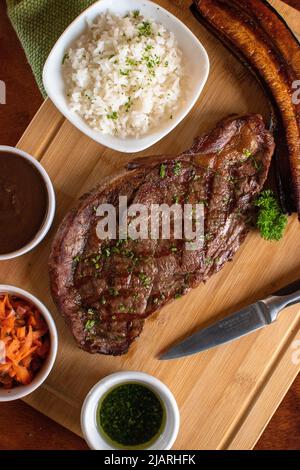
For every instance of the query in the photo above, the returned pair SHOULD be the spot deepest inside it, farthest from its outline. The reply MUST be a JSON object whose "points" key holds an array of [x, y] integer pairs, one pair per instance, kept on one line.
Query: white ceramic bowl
{"points": [[22, 391], [44, 229], [196, 59], [90, 406]]}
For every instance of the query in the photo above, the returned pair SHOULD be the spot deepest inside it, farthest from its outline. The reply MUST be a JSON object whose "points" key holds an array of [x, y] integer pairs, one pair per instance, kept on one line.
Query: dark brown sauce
{"points": [[23, 202]]}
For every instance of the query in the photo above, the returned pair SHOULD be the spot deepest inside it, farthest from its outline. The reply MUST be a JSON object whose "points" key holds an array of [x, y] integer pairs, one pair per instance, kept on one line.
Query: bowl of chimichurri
{"points": [[130, 411]]}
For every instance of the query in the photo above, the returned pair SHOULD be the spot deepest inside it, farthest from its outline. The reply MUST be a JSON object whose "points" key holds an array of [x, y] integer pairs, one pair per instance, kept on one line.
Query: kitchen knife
{"points": [[245, 321]]}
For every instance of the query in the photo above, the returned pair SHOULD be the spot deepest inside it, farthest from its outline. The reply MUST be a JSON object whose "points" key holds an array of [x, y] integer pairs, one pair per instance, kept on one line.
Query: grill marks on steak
{"points": [[104, 289]]}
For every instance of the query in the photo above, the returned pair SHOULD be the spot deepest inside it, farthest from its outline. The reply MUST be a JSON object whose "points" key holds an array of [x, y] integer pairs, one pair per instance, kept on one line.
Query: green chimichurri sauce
{"points": [[131, 416]]}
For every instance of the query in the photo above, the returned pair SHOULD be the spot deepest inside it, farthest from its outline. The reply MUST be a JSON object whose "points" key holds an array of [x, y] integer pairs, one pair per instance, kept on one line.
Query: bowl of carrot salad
{"points": [[28, 343]]}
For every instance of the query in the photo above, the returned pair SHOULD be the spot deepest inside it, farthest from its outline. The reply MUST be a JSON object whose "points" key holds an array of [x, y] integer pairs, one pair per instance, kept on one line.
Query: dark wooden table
{"points": [[21, 427]]}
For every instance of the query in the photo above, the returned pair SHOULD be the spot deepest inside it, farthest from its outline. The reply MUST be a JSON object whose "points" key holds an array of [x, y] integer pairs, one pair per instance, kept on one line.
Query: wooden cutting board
{"points": [[226, 395]]}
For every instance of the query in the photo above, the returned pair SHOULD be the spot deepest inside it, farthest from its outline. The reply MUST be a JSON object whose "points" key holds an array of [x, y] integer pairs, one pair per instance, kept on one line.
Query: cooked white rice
{"points": [[124, 75]]}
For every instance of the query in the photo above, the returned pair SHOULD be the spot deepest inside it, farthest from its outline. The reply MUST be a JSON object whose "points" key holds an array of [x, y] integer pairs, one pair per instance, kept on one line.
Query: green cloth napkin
{"points": [[39, 23]]}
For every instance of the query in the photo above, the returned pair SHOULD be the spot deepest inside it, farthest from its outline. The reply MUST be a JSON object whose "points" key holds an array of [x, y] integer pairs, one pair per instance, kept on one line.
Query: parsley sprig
{"points": [[271, 221]]}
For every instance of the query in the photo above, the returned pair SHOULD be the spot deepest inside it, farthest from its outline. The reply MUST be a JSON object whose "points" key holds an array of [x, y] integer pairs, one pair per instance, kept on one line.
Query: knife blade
{"points": [[241, 323]]}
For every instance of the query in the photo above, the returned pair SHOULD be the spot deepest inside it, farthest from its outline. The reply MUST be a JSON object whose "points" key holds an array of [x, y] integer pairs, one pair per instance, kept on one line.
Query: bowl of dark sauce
{"points": [[27, 203]]}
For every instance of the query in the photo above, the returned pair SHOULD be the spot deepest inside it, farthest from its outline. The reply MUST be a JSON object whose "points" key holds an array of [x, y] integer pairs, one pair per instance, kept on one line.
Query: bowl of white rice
{"points": [[126, 73]]}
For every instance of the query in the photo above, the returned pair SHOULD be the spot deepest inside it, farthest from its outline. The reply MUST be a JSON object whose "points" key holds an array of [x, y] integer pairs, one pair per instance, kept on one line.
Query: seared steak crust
{"points": [[105, 290]]}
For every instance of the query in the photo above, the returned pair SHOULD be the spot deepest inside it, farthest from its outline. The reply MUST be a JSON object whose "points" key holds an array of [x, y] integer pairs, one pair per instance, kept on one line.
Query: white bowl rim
{"points": [[98, 136], [46, 225], [117, 378], [24, 390]]}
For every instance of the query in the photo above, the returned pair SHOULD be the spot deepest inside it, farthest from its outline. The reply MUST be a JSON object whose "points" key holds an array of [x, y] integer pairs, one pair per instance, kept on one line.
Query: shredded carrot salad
{"points": [[24, 341]]}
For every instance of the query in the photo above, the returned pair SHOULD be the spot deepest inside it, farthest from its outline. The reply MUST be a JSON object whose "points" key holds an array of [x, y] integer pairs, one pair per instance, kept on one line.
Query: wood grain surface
{"points": [[29, 429], [293, 3]]}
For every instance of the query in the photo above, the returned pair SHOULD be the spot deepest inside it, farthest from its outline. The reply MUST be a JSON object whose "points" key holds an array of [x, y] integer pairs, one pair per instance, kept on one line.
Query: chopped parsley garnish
{"points": [[226, 199], [76, 260], [271, 221], [208, 236], [151, 63], [131, 62], [65, 57], [103, 300], [247, 153], [121, 242], [125, 73], [122, 308], [129, 254], [145, 280], [174, 249], [145, 29], [166, 63], [136, 13], [176, 199], [178, 296], [95, 259], [177, 169], [107, 252], [232, 179], [204, 202], [114, 116], [92, 311], [113, 292], [128, 105], [257, 165], [162, 171], [89, 325], [209, 261]]}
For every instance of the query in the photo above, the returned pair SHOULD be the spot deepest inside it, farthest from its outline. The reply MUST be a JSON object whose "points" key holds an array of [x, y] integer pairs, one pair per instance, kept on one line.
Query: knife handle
{"points": [[282, 298], [288, 290], [285, 297]]}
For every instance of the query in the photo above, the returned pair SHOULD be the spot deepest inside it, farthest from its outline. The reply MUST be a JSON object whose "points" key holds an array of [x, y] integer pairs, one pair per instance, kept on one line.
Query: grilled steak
{"points": [[257, 35], [106, 289]]}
